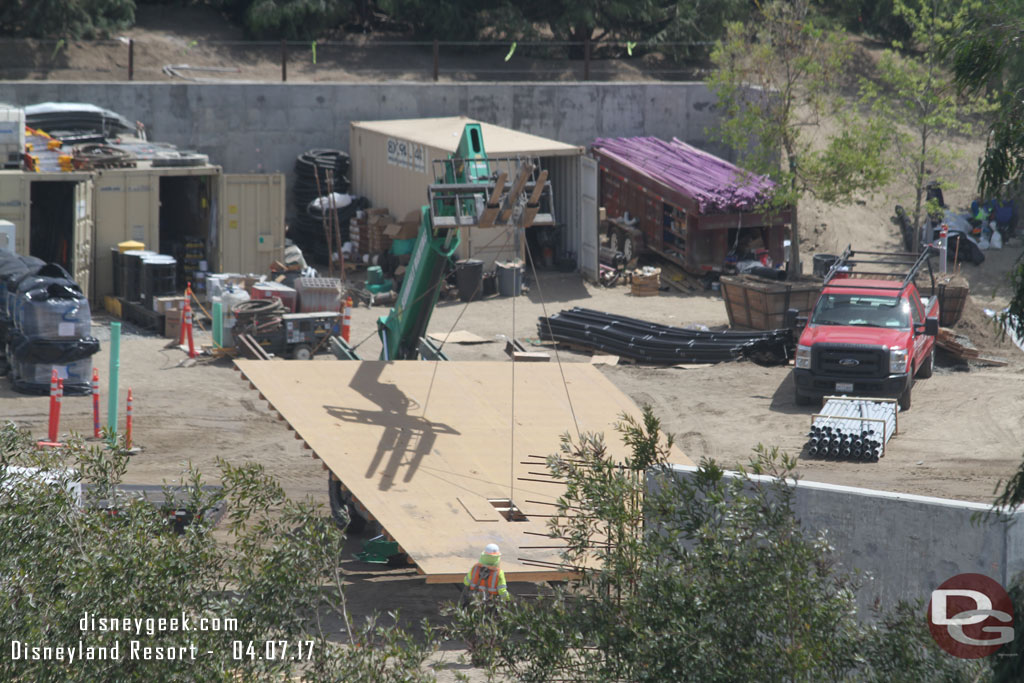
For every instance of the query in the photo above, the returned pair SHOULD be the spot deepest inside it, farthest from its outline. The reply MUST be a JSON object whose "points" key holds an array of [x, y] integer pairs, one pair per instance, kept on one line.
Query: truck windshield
{"points": [[859, 309]]}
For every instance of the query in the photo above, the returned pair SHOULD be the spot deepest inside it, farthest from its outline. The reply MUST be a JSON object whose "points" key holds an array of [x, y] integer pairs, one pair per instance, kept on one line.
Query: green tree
{"points": [[295, 19], [275, 572], [704, 578], [777, 78], [65, 18], [915, 96], [987, 57]]}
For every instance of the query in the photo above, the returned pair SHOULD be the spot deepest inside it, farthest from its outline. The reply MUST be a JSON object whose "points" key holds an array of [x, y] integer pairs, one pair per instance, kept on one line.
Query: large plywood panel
{"points": [[427, 470]]}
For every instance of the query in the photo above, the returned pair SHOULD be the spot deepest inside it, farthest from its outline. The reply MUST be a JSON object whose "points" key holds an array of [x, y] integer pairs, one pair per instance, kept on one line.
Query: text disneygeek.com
{"points": [[129, 643]]}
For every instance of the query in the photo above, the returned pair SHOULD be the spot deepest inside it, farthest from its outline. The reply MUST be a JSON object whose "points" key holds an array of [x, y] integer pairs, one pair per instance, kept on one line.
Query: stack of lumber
{"points": [[961, 347], [646, 281], [957, 344]]}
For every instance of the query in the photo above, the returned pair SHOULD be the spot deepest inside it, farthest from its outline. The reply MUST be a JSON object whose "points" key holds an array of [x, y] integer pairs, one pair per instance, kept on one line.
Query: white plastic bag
{"points": [[996, 240]]}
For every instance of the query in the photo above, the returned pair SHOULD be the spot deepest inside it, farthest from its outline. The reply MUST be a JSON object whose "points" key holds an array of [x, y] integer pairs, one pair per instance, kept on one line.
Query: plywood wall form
{"points": [[427, 471], [393, 163]]}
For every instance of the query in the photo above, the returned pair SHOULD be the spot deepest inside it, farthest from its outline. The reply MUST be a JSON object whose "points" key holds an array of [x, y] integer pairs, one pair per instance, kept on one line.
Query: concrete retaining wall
{"points": [[262, 127], [908, 544]]}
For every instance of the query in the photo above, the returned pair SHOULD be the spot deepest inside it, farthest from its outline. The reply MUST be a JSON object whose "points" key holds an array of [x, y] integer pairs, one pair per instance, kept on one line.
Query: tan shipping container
{"points": [[239, 216], [53, 217], [393, 164]]}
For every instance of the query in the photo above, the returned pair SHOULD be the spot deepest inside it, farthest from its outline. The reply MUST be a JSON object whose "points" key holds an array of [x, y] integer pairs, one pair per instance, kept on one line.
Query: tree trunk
{"points": [[578, 36], [916, 242], [796, 268]]}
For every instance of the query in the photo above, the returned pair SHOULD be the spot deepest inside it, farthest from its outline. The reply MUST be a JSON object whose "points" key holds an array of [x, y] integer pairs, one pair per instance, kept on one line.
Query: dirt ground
{"points": [[964, 434]]}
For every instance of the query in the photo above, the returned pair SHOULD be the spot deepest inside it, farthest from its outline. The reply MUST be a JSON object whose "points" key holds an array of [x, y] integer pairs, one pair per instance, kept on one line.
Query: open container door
{"points": [[81, 260], [589, 240], [14, 207], [251, 222]]}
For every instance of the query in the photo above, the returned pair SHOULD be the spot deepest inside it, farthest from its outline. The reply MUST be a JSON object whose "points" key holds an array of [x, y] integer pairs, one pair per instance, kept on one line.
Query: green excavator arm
{"points": [[402, 331]]}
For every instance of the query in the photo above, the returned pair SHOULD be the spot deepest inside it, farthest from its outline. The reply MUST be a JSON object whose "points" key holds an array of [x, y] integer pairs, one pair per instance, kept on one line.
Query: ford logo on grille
{"points": [[849, 362]]}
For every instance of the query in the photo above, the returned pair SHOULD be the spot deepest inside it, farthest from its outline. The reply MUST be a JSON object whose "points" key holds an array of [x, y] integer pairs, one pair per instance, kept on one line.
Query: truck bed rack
{"points": [[850, 258]]}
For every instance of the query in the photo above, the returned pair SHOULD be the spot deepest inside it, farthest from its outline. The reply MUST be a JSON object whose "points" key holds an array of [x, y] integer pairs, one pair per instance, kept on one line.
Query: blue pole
{"points": [[115, 366]]}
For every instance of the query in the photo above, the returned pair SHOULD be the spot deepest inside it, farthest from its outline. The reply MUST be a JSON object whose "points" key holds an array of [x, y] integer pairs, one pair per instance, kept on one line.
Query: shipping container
{"points": [[239, 218], [393, 164], [77, 218], [53, 218]]}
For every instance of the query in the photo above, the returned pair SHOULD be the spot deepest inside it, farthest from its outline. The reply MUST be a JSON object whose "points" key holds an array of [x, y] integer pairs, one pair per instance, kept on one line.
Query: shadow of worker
{"points": [[406, 438]]}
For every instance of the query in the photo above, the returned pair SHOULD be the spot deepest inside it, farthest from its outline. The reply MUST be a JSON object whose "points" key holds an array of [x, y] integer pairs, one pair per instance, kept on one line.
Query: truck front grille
{"points": [[850, 360]]}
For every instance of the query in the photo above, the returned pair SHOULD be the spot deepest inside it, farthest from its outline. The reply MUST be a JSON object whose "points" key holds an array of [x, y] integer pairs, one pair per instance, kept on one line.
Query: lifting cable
{"points": [[451, 329]]}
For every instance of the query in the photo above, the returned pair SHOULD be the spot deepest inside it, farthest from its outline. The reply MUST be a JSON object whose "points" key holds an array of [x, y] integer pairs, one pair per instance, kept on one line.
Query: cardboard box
{"points": [[172, 322], [162, 303], [402, 231]]}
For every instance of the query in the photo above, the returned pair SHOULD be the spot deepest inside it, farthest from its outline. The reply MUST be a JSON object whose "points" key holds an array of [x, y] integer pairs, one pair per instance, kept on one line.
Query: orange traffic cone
{"points": [[56, 390], [346, 320], [186, 326], [128, 422], [96, 432]]}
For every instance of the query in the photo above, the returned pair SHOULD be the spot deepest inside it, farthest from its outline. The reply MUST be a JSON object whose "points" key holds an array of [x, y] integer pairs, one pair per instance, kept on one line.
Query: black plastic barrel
{"points": [[469, 274], [131, 273], [159, 277], [822, 263]]}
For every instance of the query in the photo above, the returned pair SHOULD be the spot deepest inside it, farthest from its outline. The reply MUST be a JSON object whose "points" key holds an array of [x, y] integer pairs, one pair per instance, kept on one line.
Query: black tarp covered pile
{"points": [[45, 323], [647, 342]]}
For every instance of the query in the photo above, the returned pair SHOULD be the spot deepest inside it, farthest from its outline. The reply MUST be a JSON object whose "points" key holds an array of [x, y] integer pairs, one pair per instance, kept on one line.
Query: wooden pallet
{"points": [[957, 344]]}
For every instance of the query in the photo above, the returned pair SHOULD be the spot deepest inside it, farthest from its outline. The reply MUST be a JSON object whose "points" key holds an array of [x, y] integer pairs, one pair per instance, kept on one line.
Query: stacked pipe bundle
{"points": [[48, 325], [852, 429], [659, 344], [714, 183], [311, 171]]}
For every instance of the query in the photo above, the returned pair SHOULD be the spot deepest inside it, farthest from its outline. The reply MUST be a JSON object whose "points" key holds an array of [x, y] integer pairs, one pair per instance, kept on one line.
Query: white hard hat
{"points": [[492, 549]]}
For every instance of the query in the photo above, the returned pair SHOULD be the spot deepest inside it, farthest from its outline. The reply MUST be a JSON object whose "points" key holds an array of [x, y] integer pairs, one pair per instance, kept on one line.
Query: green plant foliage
{"points": [[275, 573], [65, 18], [776, 78], [702, 578], [295, 19], [914, 95]]}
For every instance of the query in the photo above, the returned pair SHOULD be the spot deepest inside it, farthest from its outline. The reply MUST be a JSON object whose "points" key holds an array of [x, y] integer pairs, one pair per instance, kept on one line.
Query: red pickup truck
{"points": [[868, 334]]}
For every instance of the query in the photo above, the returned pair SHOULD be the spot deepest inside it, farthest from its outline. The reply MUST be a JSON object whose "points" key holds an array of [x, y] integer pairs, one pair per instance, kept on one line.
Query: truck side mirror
{"points": [[931, 326]]}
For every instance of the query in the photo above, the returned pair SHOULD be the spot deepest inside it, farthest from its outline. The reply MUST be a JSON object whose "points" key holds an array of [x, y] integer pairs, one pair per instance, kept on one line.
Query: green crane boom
{"points": [[403, 329]]}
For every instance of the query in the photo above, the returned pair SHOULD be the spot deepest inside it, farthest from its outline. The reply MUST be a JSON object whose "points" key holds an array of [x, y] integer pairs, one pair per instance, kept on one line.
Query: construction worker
{"points": [[486, 577]]}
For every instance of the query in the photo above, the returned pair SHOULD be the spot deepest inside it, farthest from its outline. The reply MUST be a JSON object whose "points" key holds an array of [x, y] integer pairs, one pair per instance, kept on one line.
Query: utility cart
{"points": [[291, 335]]}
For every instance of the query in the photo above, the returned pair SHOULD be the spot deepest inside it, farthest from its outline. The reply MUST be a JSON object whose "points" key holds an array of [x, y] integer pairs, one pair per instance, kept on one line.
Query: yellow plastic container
{"points": [[130, 245]]}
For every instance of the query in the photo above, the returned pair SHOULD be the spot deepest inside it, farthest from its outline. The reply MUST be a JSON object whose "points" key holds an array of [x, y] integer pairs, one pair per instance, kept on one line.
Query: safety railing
{"points": [[347, 61]]}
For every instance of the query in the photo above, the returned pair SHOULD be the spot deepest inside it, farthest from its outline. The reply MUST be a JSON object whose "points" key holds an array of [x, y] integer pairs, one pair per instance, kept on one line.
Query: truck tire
{"points": [[904, 399], [627, 245], [339, 503], [925, 371], [302, 352]]}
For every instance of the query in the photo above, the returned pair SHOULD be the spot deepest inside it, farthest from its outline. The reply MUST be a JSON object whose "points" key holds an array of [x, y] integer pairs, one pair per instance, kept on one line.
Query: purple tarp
{"points": [[715, 184]]}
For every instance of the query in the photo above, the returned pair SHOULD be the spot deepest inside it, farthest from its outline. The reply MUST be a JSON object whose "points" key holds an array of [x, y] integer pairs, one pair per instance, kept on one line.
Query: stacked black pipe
{"points": [[647, 342], [311, 170], [852, 429]]}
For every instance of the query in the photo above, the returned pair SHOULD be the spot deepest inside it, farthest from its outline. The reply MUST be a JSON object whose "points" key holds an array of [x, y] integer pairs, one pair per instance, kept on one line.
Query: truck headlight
{"points": [[803, 357], [897, 361]]}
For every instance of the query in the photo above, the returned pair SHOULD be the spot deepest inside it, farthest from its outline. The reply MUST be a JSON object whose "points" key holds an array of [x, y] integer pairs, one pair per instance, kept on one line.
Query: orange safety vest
{"points": [[487, 580]]}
